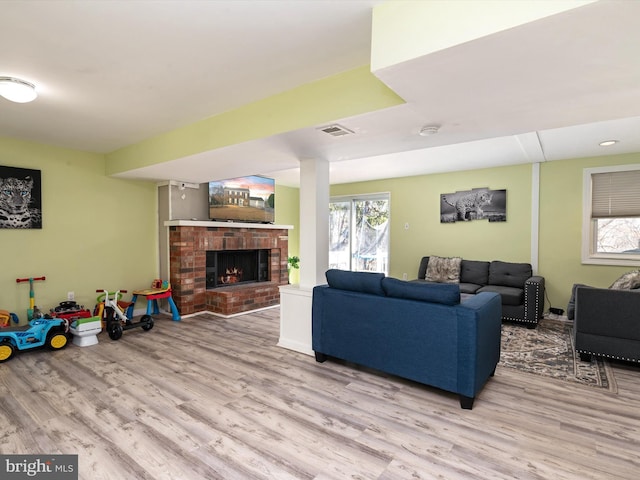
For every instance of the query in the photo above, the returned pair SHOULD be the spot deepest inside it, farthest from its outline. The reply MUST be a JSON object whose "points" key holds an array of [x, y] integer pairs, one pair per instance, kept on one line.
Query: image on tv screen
{"points": [[243, 199]]}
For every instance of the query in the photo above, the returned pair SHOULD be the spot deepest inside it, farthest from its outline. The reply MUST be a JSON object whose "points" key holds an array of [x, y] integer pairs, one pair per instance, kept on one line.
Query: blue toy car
{"points": [[54, 333]]}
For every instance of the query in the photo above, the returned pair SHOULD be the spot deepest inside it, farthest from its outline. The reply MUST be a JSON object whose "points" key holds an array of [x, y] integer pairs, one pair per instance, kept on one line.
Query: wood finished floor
{"points": [[209, 398]]}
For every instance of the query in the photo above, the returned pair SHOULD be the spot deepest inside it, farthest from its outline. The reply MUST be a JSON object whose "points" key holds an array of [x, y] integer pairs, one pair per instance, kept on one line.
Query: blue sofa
{"points": [[421, 332]]}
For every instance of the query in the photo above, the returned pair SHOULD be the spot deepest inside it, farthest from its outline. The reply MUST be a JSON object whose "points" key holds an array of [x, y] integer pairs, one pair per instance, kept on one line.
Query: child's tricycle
{"points": [[40, 331], [112, 311]]}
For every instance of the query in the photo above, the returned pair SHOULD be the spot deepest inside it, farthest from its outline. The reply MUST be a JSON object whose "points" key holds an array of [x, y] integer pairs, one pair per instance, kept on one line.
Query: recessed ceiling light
{"points": [[608, 143], [17, 90]]}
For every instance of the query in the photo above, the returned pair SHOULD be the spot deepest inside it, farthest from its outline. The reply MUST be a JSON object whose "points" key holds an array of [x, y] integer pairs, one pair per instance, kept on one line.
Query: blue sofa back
{"points": [[417, 331]]}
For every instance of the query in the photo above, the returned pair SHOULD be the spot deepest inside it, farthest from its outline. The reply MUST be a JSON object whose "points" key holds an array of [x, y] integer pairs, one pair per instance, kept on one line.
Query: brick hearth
{"points": [[188, 244]]}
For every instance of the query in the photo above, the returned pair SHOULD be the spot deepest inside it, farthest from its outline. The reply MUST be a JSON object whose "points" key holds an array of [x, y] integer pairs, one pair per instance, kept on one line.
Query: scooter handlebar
{"points": [[18, 280]]}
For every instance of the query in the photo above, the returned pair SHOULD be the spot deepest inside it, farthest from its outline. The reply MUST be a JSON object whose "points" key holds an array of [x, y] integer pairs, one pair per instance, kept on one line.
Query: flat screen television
{"points": [[243, 199]]}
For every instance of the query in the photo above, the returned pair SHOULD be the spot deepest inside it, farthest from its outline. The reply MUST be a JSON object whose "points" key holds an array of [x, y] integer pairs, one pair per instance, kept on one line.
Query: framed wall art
{"points": [[474, 204], [20, 198]]}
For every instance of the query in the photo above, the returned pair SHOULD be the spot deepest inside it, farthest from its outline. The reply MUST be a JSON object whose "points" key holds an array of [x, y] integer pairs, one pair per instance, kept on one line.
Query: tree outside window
{"points": [[359, 233]]}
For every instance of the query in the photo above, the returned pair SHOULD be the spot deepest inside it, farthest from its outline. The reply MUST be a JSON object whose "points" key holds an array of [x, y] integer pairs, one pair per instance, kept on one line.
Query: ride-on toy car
{"points": [[54, 333]]}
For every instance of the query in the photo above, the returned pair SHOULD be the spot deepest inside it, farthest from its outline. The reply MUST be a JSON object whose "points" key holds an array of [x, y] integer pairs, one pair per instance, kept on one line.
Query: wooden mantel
{"points": [[189, 241], [206, 223]]}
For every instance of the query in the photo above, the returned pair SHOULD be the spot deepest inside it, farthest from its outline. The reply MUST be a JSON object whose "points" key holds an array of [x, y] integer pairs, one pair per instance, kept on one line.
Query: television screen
{"points": [[244, 199]]}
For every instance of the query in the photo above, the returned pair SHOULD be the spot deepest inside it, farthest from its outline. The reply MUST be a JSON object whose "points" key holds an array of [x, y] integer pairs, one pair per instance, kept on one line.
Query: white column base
{"points": [[295, 318]]}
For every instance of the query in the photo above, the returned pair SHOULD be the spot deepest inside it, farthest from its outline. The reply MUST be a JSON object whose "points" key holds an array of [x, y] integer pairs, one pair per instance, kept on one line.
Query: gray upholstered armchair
{"points": [[607, 323]]}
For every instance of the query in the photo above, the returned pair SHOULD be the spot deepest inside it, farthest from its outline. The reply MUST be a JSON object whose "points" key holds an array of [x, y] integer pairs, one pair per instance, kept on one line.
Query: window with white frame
{"points": [[611, 223], [359, 233]]}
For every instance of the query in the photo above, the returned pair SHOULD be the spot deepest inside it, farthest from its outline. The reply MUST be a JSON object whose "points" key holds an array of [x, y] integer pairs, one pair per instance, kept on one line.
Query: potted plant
{"points": [[292, 262]]}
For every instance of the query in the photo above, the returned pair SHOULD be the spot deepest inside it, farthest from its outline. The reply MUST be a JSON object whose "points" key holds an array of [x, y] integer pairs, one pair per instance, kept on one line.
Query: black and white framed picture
{"points": [[474, 204], [20, 198]]}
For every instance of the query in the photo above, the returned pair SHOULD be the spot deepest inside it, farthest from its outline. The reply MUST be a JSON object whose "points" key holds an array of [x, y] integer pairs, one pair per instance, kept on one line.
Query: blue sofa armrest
{"points": [[479, 330]]}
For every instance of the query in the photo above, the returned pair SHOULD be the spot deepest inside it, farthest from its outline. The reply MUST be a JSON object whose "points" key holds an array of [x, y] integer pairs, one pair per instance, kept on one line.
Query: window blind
{"points": [[615, 194]]}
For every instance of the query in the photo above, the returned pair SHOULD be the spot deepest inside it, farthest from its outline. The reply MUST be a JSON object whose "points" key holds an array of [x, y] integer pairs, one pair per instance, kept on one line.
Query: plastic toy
{"points": [[111, 309], [159, 289], [39, 332], [70, 310], [32, 299], [85, 331], [5, 316]]}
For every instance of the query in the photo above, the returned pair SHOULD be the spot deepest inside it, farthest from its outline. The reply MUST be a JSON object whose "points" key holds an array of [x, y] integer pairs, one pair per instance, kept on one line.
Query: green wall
{"points": [[288, 213], [561, 227], [343, 95], [403, 31], [415, 200], [80, 250], [98, 232]]}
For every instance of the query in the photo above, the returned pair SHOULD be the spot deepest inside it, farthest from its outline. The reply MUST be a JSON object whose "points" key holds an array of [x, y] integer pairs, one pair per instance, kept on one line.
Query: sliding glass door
{"points": [[359, 233]]}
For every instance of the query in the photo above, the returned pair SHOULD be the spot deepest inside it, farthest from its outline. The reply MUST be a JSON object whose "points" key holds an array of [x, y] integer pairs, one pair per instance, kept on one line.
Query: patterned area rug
{"points": [[548, 350]]}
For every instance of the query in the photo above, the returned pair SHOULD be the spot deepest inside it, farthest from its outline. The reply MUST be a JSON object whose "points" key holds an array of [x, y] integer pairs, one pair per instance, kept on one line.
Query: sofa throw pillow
{"points": [[446, 294], [365, 282], [443, 269], [628, 281]]}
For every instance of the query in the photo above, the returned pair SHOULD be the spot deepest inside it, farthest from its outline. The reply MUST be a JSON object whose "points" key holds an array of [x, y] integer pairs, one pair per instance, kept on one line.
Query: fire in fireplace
{"points": [[228, 267]]}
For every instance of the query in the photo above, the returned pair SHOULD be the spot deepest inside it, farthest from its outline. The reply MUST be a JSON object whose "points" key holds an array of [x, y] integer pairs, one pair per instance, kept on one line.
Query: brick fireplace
{"points": [[191, 242]]}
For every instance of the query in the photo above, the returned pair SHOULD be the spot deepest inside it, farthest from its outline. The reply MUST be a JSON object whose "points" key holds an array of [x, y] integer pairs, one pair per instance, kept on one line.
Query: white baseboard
{"points": [[295, 346]]}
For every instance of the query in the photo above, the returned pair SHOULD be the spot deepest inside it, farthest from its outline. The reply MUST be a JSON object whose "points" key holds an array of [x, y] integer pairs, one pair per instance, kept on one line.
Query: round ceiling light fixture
{"points": [[17, 90], [429, 130], [608, 143]]}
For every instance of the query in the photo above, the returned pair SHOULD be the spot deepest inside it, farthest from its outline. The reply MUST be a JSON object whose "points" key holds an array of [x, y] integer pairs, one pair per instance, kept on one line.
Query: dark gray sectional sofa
{"points": [[521, 292]]}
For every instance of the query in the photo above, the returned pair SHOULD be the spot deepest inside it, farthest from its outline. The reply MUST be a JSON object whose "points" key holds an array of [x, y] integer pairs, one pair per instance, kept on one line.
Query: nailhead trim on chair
{"points": [[519, 320], [613, 357], [537, 300], [526, 306]]}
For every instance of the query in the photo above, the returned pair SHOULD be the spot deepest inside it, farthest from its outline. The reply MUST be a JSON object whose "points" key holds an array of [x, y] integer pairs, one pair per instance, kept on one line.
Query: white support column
{"points": [[314, 222], [295, 300], [535, 215]]}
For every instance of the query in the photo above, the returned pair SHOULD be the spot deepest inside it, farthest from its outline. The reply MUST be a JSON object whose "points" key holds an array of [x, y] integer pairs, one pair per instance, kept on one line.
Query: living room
{"points": [[100, 223]]}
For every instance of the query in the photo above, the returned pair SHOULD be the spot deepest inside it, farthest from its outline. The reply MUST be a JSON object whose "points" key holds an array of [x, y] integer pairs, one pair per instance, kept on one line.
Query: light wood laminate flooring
{"points": [[209, 398]]}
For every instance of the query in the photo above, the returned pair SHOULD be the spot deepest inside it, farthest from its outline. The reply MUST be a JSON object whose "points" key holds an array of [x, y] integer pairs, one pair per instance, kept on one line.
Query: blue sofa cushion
{"points": [[365, 282], [444, 293], [509, 274]]}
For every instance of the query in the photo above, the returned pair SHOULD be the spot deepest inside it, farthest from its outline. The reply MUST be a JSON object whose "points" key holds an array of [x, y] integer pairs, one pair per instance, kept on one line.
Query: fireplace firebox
{"points": [[231, 267]]}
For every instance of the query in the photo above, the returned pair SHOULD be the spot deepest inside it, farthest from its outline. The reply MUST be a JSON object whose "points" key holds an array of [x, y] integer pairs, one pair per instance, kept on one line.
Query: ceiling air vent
{"points": [[336, 130]]}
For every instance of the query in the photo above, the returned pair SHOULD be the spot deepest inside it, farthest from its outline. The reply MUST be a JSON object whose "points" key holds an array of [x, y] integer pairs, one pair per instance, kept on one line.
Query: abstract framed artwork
{"points": [[20, 198], [474, 204]]}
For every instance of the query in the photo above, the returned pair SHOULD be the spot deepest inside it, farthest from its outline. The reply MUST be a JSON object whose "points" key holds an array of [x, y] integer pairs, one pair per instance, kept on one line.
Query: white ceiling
{"points": [[111, 73]]}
